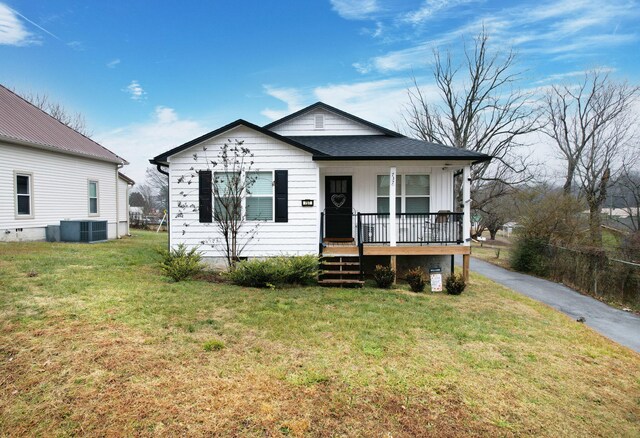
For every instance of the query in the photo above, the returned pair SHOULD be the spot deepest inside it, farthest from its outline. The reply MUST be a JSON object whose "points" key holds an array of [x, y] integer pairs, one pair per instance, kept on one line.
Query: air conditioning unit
{"points": [[83, 231]]}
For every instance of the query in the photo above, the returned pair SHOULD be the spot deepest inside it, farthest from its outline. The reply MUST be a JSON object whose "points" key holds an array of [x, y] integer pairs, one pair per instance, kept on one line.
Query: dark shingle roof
{"points": [[389, 145], [22, 122], [382, 147]]}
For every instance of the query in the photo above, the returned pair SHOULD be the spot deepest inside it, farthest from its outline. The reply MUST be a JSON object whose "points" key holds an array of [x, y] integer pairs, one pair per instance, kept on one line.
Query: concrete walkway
{"points": [[618, 325]]}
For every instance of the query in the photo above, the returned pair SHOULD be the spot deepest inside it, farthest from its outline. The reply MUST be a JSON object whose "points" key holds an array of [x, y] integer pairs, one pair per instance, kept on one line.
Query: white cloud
{"points": [[430, 8], [139, 142], [572, 74], [355, 9], [135, 90], [76, 45], [571, 28], [12, 30], [292, 97], [114, 63], [378, 101]]}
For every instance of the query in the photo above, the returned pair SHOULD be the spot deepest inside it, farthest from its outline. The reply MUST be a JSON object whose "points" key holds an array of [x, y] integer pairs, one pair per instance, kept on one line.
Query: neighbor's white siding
{"points": [[334, 124], [298, 236], [123, 207], [60, 190]]}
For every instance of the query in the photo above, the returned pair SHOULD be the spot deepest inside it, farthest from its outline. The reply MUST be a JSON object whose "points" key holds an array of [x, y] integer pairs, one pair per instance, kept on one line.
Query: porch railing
{"points": [[415, 228]]}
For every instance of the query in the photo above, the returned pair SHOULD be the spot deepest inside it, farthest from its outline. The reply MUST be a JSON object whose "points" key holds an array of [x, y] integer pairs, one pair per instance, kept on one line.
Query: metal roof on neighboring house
{"points": [[382, 147], [126, 179], [24, 123]]}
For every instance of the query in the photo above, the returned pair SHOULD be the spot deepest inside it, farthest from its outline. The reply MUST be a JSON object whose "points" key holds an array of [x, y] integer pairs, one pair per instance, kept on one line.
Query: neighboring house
{"points": [[330, 176], [51, 173]]}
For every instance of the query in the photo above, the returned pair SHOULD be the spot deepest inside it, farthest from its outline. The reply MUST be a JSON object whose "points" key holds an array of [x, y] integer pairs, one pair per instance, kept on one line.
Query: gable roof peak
{"points": [[327, 107]]}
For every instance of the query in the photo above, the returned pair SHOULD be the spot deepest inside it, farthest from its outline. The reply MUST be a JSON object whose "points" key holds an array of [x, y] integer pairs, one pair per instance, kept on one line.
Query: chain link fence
{"points": [[594, 273]]}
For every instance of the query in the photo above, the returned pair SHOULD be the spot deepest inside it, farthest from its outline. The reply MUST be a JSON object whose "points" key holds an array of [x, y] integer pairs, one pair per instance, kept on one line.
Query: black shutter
{"points": [[282, 195], [204, 196]]}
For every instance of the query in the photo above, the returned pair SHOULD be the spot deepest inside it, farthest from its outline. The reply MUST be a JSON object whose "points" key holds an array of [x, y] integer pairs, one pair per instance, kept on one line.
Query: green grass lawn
{"points": [[94, 341], [498, 255]]}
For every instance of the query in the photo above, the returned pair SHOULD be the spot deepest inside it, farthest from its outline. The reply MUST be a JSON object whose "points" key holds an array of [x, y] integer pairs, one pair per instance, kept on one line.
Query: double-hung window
{"points": [[24, 195], [416, 194], [412, 193], [93, 198], [383, 193], [228, 200], [259, 196]]}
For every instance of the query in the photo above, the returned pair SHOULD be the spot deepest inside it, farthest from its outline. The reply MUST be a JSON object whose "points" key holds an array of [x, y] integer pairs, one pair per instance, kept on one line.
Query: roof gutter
{"points": [[474, 160], [158, 167]]}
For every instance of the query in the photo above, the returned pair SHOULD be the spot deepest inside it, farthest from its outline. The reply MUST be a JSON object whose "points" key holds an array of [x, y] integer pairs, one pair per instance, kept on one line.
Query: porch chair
{"points": [[438, 230]]}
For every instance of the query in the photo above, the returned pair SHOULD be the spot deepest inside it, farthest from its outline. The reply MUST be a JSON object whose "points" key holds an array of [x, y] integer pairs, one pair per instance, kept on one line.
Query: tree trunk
{"points": [[492, 233], [594, 224], [571, 170]]}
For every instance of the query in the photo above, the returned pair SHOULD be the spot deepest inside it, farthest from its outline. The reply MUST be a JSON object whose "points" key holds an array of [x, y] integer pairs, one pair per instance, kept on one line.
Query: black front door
{"points": [[338, 202]]}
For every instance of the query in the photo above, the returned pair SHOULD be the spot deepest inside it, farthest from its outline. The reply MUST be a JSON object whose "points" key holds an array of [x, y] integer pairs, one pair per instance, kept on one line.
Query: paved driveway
{"points": [[620, 326]]}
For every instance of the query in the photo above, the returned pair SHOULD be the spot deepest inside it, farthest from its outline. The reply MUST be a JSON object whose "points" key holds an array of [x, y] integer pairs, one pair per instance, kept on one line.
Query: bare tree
{"points": [[74, 121], [480, 110], [230, 186], [548, 214], [626, 194], [592, 125], [160, 185], [575, 114], [146, 197], [496, 210]]}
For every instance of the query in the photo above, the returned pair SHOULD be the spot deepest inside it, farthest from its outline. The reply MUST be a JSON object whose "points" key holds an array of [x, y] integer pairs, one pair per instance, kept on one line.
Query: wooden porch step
{"points": [[340, 263], [338, 239], [334, 282], [340, 272]]}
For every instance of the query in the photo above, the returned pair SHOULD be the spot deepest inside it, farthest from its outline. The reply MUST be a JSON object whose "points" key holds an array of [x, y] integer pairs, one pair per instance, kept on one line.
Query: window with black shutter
{"points": [[205, 195], [281, 195]]}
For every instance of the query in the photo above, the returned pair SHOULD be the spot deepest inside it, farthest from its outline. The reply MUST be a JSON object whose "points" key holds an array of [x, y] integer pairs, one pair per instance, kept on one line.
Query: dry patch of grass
{"points": [[496, 254], [118, 350]]}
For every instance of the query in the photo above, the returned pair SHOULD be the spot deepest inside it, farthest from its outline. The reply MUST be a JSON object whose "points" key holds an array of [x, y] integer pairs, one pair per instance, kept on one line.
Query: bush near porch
{"points": [[95, 341]]}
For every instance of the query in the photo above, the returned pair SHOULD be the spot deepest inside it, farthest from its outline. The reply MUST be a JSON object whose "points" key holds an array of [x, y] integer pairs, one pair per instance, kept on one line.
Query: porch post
{"points": [[392, 206], [317, 209], [466, 218]]}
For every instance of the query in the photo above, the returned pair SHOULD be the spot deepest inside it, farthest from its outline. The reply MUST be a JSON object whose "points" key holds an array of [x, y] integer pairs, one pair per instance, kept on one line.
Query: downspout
{"points": [[128, 213], [159, 168], [118, 167]]}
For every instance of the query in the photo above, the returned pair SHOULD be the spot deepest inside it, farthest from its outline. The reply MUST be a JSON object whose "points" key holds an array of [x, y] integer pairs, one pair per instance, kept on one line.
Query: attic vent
{"points": [[319, 121]]}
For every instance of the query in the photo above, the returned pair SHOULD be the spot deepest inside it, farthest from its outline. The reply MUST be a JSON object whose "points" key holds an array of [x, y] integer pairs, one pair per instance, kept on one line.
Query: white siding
{"points": [[364, 180], [334, 124], [298, 236], [123, 207], [60, 190]]}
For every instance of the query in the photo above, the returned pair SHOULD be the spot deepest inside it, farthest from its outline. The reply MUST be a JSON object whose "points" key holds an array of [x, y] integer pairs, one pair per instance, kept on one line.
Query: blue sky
{"points": [[151, 75]]}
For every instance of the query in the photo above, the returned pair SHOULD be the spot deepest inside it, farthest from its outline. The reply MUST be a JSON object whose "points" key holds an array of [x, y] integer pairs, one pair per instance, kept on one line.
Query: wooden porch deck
{"points": [[404, 250], [351, 249]]}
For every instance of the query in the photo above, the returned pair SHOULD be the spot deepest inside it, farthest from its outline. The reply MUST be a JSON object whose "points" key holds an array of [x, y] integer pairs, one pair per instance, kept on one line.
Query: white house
{"points": [[324, 180], [51, 173]]}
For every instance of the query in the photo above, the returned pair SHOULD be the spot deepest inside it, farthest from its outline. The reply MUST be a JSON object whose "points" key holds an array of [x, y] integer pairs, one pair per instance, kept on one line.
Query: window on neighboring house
{"points": [[412, 193], [259, 196], [226, 201], [24, 197], [93, 197]]}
